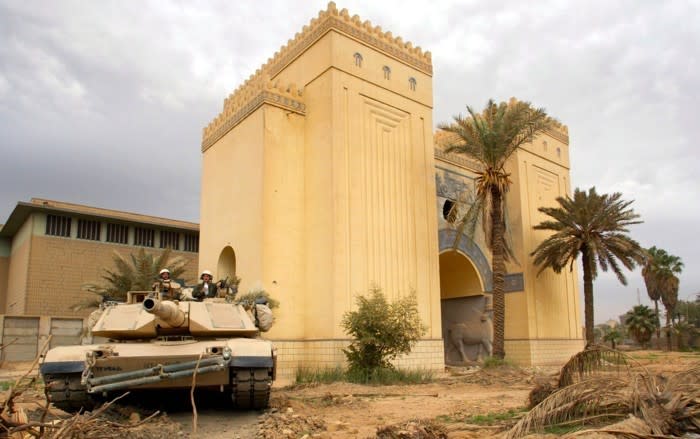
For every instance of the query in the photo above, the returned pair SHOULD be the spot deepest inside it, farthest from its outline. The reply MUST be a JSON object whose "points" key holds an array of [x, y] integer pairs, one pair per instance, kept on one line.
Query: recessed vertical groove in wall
{"points": [[376, 205], [392, 227], [429, 170], [412, 249], [383, 171], [400, 217], [369, 150], [348, 198], [403, 241], [407, 208]]}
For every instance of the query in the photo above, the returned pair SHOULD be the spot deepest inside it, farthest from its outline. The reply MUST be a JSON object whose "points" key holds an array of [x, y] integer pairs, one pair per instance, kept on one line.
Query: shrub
{"points": [[380, 330]]}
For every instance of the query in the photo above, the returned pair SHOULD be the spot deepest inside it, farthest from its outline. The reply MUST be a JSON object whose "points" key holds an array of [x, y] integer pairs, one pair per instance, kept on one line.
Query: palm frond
{"points": [[577, 402], [136, 272], [592, 361]]}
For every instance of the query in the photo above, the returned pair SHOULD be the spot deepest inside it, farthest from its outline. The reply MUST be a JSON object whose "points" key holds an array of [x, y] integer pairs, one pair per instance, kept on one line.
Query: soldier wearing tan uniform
{"points": [[169, 289]]}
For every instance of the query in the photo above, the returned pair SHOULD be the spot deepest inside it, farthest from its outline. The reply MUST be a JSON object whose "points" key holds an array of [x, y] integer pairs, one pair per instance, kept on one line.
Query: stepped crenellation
{"points": [[331, 18]]}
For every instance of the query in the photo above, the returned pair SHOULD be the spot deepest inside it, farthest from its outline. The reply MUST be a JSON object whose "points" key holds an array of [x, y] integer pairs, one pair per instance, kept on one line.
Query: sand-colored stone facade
{"points": [[322, 177]]}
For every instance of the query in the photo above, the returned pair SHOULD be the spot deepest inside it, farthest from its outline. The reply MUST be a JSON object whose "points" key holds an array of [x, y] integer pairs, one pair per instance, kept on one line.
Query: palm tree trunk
{"points": [[668, 331], [658, 324], [588, 296], [499, 272]]}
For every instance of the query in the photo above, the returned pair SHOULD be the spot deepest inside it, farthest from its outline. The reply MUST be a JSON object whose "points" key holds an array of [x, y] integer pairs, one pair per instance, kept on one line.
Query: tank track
{"points": [[251, 388], [66, 392]]}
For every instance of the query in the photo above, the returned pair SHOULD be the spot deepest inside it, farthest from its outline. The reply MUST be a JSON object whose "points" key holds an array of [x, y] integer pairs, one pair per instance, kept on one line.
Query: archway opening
{"points": [[458, 277], [226, 267], [462, 306]]}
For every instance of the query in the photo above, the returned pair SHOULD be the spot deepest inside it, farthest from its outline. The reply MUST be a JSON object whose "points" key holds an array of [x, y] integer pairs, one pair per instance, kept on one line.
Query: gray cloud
{"points": [[103, 103]]}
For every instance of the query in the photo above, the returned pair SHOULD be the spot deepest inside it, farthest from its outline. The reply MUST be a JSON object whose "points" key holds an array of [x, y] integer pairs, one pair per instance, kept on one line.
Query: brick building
{"points": [[49, 249]]}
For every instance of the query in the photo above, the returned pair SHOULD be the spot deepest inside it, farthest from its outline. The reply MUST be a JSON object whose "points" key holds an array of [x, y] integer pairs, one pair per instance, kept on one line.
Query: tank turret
{"points": [[155, 343]]}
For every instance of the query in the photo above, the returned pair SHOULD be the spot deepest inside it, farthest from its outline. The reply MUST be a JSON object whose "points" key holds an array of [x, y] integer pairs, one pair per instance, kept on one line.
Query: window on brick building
{"points": [[191, 243], [144, 237], [117, 233], [169, 240], [58, 225], [89, 230]]}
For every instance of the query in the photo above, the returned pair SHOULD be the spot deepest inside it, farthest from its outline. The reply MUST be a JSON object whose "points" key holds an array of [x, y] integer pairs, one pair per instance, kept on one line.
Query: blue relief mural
{"points": [[451, 184]]}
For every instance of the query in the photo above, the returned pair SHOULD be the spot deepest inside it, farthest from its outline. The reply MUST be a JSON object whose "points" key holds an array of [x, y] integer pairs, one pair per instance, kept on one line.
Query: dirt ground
{"points": [[342, 410]]}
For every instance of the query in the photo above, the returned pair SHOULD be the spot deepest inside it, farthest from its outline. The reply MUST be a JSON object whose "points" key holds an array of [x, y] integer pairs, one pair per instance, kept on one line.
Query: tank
{"points": [[154, 343]]}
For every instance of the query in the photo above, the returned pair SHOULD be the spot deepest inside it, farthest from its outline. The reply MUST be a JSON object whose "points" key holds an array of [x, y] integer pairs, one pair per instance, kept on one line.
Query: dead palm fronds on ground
{"points": [[594, 361], [600, 385]]}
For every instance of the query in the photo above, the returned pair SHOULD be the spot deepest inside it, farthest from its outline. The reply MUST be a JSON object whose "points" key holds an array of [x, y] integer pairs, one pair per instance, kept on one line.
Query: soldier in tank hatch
{"points": [[206, 288], [169, 289]]}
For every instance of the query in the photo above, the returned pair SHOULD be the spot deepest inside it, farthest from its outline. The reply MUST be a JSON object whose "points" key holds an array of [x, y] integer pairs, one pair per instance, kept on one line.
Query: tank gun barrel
{"points": [[166, 310]]}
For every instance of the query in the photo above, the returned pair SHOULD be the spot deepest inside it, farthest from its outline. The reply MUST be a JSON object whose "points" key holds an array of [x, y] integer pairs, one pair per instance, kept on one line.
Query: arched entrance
{"points": [[464, 278], [226, 267], [458, 277]]}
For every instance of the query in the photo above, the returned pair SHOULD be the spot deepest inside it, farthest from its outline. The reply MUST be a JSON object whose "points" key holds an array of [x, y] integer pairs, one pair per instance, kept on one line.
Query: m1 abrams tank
{"points": [[158, 344]]}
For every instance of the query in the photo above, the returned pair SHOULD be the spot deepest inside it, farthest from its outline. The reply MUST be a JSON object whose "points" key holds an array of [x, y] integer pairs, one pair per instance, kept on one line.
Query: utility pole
{"points": [[639, 299]]}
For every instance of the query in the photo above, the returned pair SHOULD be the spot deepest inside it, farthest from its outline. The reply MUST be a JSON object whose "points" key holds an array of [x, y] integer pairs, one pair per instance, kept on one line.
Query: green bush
{"points": [[381, 331]]}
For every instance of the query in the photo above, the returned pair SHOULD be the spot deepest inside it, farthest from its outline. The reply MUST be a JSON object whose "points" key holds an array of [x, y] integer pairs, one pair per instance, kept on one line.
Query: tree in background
{"points": [[594, 226], [659, 273], [490, 138], [613, 336], [641, 323], [137, 272]]}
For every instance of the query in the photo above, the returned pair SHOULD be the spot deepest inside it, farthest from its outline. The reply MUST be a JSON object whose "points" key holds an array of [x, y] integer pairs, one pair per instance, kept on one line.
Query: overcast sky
{"points": [[93, 95]]}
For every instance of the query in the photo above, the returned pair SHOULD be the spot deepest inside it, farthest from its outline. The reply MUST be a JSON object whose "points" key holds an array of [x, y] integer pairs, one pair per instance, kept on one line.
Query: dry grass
{"points": [[599, 385]]}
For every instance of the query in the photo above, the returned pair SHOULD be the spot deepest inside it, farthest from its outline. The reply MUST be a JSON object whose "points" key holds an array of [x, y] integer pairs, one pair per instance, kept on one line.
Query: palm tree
{"points": [[641, 322], [613, 336], [596, 227], [134, 273], [490, 138], [659, 274]]}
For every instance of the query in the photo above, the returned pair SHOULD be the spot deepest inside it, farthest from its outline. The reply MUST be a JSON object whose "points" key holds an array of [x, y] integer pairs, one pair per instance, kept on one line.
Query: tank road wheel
{"points": [[251, 388], [66, 392]]}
